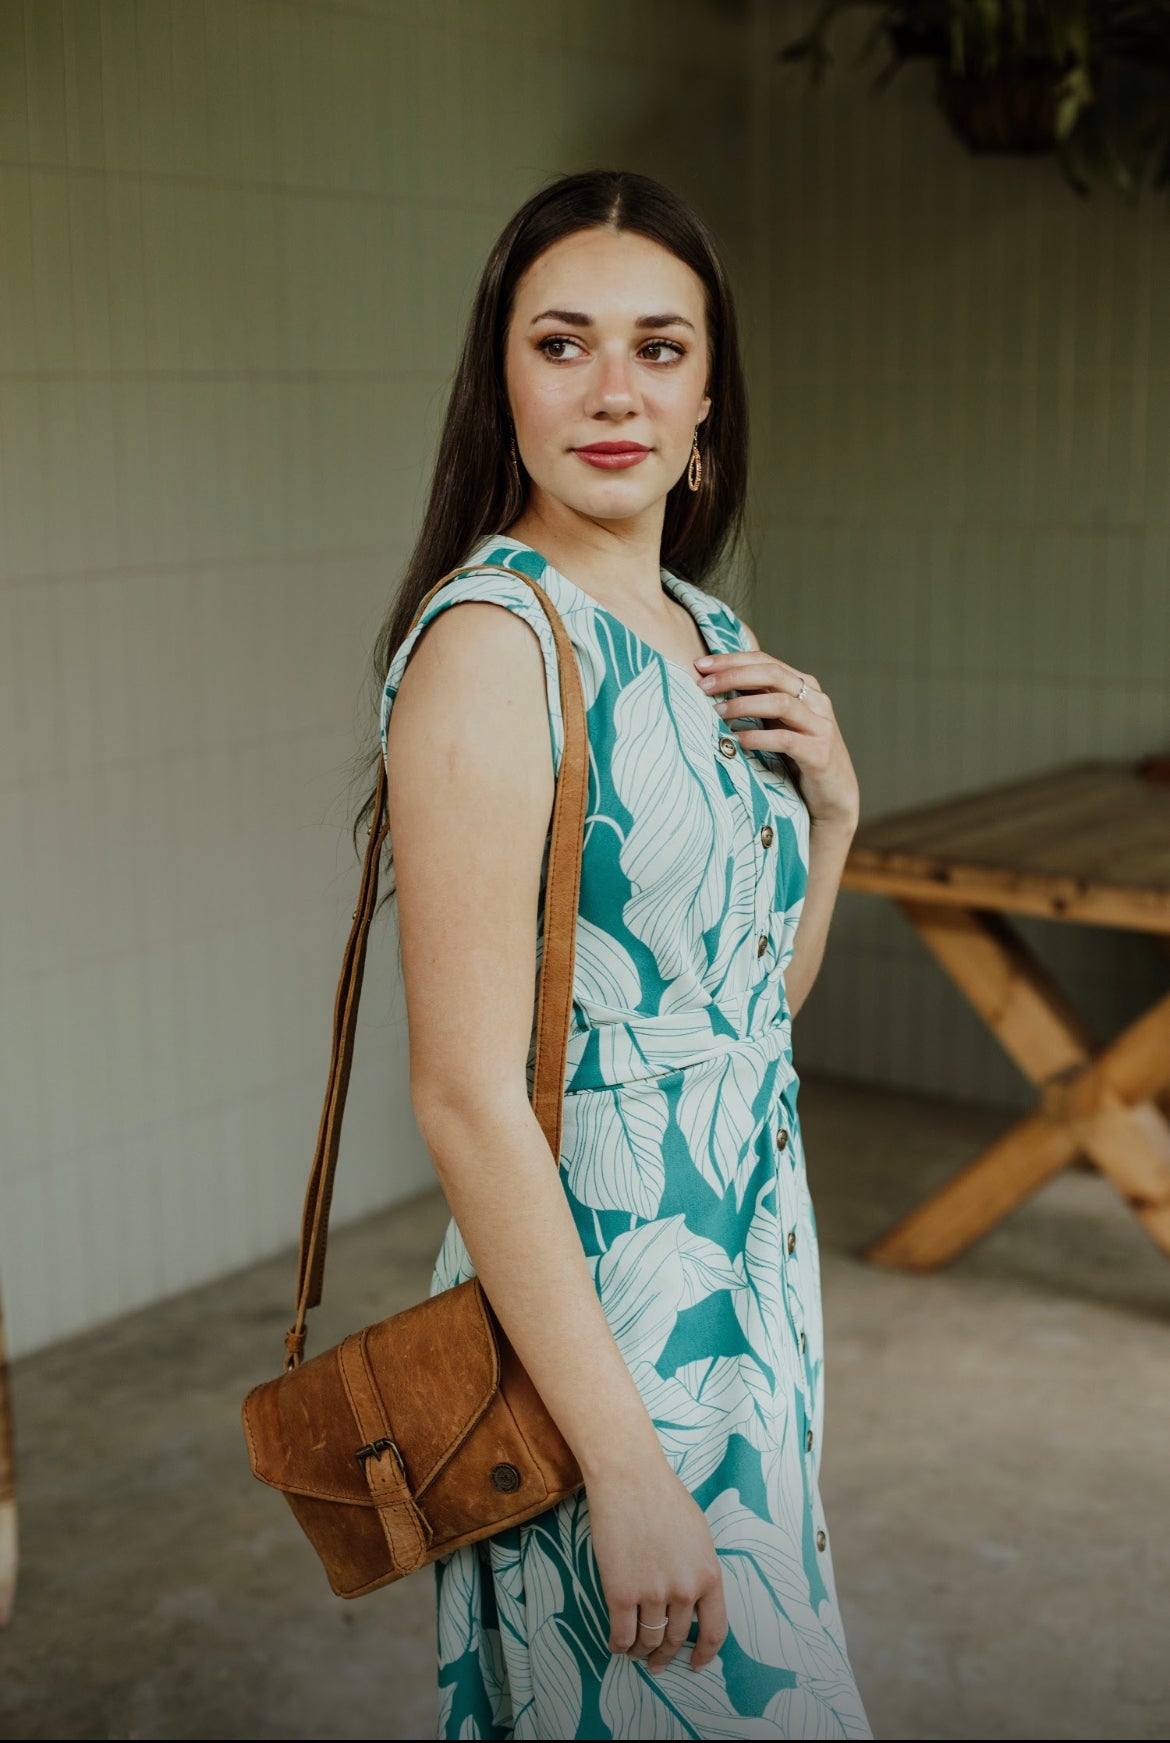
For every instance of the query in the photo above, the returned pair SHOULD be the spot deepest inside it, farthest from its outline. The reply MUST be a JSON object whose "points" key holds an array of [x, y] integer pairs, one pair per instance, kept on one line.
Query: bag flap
{"points": [[436, 1367]]}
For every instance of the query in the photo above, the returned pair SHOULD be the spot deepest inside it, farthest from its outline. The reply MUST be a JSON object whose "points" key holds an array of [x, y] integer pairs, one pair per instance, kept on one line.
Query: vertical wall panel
{"points": [[238, 241], [961, 511]]}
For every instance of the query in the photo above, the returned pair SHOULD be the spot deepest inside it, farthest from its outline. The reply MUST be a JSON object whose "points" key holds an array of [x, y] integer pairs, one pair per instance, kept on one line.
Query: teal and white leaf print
{"points": [[682, 1160], [616, 1152], [604, 974], [651, 1275], [716, 1116], [636, 1704], [670, 855]]}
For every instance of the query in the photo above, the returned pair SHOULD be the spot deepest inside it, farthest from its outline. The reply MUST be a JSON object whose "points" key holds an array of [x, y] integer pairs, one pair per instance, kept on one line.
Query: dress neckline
{"points": [[680, 590]]}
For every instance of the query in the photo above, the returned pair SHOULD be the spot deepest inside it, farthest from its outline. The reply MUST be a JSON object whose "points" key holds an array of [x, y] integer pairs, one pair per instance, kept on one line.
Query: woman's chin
{"points": [[610, 498]]}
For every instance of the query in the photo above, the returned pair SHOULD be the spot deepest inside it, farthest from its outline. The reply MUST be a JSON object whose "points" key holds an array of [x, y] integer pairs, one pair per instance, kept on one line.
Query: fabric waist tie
{"points": [[655, 1046]]}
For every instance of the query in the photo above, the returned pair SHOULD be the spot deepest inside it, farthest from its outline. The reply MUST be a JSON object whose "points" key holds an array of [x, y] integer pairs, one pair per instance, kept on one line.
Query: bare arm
{"points": [[828, 849], [830, 835], [471, 789]]}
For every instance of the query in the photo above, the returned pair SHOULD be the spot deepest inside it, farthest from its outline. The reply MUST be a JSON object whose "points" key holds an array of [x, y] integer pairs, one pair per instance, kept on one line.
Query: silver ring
{"points": [[801, 691], [652, 1627]]}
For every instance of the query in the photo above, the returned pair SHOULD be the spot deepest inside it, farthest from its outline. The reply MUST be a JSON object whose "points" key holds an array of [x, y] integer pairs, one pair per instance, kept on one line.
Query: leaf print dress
{"points": [[683, 1164]]}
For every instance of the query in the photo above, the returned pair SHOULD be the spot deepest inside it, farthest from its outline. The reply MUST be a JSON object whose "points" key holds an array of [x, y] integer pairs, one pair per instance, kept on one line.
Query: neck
{"points": [[617, 561]]}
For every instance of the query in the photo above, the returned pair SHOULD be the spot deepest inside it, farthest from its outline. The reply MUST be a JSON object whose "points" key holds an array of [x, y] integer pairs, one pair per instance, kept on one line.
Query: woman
{"points": [[662, 1289]]}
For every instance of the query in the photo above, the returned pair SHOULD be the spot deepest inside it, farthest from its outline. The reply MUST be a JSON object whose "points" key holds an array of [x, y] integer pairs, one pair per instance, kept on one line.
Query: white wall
{"points": [[237, 244]]}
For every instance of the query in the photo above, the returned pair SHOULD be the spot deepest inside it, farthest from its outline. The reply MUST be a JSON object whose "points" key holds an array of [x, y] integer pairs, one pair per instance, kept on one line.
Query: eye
{"points": [[555, 339], [663, 345]]}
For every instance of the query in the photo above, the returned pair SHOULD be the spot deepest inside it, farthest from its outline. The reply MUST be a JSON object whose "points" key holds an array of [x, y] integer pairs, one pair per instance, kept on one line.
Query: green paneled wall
{"points": [[962, 506], [237, 244], [238, 240]]}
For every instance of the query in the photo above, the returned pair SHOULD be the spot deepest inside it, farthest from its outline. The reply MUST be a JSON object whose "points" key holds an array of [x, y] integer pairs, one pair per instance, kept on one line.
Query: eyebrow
{"points": [[574, 318]]}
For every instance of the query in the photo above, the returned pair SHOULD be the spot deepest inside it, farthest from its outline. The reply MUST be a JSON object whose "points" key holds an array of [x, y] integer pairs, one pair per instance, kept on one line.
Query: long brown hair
{"points": [[473, 492]]}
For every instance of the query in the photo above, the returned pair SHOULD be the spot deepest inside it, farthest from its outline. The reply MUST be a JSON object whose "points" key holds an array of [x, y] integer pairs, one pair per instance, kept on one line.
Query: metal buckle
{"points": [[375, 1450]]}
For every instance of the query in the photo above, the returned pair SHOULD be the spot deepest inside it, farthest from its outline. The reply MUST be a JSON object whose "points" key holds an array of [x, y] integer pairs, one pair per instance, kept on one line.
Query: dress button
{"points": [[766, 835], [782, 1139], [728, 746], [803, 1343], [808, 1441], [821, 1540], [792, 1241], [761, 944]]}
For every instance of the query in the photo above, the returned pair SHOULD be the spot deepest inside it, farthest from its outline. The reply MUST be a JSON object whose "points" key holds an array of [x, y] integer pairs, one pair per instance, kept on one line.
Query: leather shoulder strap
{"points": [[555, 987]]}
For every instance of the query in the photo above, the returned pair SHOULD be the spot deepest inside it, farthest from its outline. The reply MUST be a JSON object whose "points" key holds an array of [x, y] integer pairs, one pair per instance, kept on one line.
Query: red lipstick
{"points": [[612, 456]]}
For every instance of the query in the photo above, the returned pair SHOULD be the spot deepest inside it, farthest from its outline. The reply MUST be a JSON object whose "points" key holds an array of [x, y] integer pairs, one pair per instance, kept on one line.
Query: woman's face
{"points": [[607, 351]]}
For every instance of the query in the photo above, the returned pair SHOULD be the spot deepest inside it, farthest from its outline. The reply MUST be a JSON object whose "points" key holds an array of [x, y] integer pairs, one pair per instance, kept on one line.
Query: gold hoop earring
{"points": [[514, 457], [695, 468]]}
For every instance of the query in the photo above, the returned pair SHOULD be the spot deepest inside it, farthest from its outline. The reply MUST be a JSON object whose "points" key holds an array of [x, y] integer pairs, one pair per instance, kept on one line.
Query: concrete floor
{"points": [[995, 1472]]}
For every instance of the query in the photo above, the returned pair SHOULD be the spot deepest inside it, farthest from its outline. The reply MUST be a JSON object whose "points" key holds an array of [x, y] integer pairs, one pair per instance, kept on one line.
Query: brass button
{"points": [[728, 746], [782, 1139], [506, 1478], [766, 835], [792, 1241], [803, 1343], [821, 1540], [761, 944], [808, 1441]]}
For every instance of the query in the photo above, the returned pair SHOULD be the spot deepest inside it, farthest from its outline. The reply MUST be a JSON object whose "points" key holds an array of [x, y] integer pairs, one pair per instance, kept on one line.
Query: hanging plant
{"points": [[1089, 79]]}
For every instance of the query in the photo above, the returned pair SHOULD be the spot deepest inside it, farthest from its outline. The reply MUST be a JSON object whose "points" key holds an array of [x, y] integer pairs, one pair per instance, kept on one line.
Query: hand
{"points": [[768, 690], [657, 1561]]}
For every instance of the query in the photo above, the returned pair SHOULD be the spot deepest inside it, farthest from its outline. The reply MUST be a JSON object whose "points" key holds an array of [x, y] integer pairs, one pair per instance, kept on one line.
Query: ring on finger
{"points": [[800, 694], [653, 1627]]}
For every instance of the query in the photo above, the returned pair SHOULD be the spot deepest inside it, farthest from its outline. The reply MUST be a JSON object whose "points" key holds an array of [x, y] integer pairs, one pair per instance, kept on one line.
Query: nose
{"points": [[613, 391]]}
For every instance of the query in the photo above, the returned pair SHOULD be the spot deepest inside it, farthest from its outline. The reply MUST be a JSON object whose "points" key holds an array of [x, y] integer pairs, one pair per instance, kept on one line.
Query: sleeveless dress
{"points": [[683, 1164]]}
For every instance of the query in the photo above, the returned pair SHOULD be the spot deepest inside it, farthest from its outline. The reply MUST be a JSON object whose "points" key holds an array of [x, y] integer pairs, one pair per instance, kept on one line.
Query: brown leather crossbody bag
{"points": [[424, 1432]]}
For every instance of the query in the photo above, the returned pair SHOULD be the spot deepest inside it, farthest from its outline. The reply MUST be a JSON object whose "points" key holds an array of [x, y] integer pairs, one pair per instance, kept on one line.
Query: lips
{"points": [[612, 456], [614, 448]]}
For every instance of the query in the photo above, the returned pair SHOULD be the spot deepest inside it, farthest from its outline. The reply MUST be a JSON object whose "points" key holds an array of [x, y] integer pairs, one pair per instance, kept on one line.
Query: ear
{"points": [[704, 407]]}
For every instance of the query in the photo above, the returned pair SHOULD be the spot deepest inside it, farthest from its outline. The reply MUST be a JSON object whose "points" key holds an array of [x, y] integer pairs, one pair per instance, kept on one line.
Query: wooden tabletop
{"points": [[1089, 842]]}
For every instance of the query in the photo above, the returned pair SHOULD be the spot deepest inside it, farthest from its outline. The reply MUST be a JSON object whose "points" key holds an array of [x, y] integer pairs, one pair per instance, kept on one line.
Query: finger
{"points": [[748, 668], [773, 705], [787, 687], [800, 745], [712, 1627], [817, 700], [650, 1636], [623, 1626], [752, 666], [678, 1626]]}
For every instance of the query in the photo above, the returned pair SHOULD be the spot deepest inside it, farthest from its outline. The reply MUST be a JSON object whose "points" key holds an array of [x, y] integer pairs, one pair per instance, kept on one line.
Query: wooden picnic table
{"points": [[1087, 844]]}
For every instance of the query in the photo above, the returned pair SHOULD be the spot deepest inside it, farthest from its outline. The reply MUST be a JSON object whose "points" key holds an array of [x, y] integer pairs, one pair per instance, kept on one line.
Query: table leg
{"points": [[1114, 1106], [1100, 1102], [1162, 939], [8, 1550], [977, 1198]]}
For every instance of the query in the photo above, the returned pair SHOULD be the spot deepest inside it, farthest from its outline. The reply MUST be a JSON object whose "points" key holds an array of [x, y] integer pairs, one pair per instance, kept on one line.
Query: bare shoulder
{"points": [[476, 664], [468, 734], [472, 640]]}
